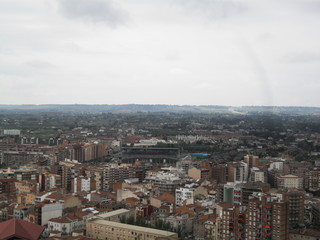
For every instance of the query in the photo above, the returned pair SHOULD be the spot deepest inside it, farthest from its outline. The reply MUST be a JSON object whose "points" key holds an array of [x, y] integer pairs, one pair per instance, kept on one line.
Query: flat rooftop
{"points": [[113, 213], [132, 227]]}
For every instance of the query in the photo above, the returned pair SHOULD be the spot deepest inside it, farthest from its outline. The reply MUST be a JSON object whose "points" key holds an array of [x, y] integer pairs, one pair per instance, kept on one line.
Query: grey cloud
{"points": [[302, 57], [309, 6], [214, 9], [98, 11], [39, 64]]}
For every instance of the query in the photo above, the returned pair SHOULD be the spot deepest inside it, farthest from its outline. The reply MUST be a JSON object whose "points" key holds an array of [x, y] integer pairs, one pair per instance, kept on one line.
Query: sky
{"points": [[184, 52]]}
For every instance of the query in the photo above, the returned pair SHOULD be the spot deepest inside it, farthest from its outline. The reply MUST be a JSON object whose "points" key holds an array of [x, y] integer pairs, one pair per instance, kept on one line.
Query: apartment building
{"points": [[185, 193], [290, 181], [267, 218], [296, 206], [103, 229], [314, 179], [232, 224], [251, 160], [238, 172], [116, 174]]}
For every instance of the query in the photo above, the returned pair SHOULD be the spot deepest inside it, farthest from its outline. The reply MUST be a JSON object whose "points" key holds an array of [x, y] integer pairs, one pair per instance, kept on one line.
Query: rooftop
{"points": [[113, 213], [15, 228], [132, 227]]}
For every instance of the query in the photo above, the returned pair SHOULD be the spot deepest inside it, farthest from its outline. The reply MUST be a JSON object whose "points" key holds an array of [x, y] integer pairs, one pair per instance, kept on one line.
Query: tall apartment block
{"points": [[251, 160], [296, 205], [116, 174], [232, 223], [267, 218]]}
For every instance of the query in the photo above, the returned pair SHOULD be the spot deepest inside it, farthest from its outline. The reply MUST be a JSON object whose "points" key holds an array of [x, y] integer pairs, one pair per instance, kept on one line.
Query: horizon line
{"points": [[155, 104]]}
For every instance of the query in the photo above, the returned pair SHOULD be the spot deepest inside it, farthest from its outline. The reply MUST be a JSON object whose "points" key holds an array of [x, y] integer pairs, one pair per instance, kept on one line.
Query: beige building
{"points": [[115, 215], [123, 194], [197, 174], [257, 175], [102, 229], [252, 160], [25, 187], [26, 198], [211, 227], [97, 174], [165, 200], [290, 181], [70, 201]]}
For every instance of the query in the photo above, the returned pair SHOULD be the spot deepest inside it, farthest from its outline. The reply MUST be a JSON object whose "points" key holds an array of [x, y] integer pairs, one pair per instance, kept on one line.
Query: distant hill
{"points": [[130, 108]]}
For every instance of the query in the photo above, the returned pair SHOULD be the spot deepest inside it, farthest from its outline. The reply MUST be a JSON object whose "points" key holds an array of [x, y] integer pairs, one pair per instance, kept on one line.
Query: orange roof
{"points": [[167, 197], [82, 213], [184, 209], [72, 217], [55, 196], [225, 205], [66, 197], [60, 220]]}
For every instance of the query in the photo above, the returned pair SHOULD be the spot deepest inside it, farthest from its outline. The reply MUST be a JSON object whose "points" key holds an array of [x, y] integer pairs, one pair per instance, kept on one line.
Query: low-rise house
{"points": [[181, 222], [165, 199], [66, 225], [21, 211], [43, 212], [70, 201]]}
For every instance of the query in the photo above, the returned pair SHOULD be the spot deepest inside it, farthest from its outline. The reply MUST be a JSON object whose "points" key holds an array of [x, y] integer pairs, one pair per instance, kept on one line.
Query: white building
{"points": [[65, 225], [81, 184], [41, 196], [166, 182], [48, 211], [191, 138], [183, 194], [240, 172], [11, 132], [51, 180], [257, 175], [278, 165], [149, 142]]}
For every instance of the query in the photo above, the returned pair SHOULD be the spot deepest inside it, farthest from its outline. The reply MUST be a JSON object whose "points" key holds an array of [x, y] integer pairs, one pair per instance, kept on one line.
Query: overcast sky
{"points": [[195, 52]]}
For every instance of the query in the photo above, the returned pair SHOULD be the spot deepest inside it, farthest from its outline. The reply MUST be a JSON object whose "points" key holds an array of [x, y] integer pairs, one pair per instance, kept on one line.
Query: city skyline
{"points": [[231, 53]]}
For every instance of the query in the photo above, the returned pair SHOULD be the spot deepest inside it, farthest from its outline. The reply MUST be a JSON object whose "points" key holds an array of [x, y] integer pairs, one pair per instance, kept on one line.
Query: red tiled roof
{"points": [[225, 205], [81, 214], [166, 196], [66, 197], [184, 209], [55, 196], [20, 229], [60, 220], [73, 218]]}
